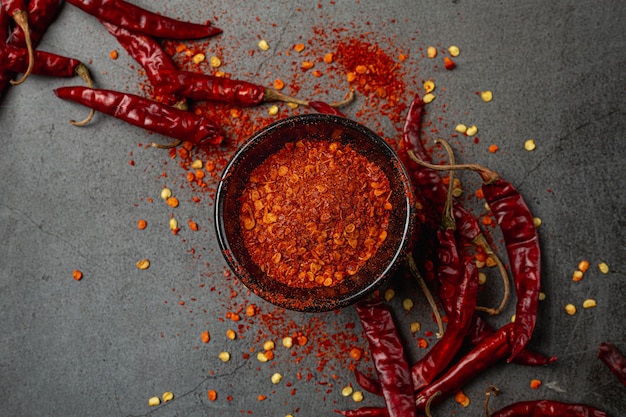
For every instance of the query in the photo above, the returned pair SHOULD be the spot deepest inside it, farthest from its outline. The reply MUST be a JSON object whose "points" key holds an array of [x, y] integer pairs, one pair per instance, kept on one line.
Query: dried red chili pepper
{"points": [[367, 383], [322, 107], [521, 241], [139, 20], [389, 357], [431, 365], [490, 351], [17, 10], [365, 412], [150, 115], [5, 75], [614, 360], [149, 54], [546, 408], [41, 13]]}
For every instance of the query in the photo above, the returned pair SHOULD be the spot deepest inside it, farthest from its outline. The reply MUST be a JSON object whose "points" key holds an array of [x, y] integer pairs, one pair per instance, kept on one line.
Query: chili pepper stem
{"points": [[21, 19], [170, 145], [430, 400], [83, 72], [415, 272], [273, 95], [491, 390], [447, 220], [488, 176], [507, 289]]}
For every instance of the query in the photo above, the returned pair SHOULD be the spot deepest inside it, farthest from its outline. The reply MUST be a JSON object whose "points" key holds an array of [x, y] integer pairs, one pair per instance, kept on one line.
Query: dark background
{"points": [[70, 199]]}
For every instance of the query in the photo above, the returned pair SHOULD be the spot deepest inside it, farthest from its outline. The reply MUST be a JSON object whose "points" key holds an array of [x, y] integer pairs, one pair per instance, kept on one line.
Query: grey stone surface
{"points": [[71, 200]]}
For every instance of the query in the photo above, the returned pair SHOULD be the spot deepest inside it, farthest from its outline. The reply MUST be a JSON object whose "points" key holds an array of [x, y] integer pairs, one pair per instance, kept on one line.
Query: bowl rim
{"points": [[293, 302]]}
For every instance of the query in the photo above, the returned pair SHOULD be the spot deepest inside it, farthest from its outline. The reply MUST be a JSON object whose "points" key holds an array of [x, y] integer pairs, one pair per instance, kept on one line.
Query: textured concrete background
{"points": [[70, 199]]}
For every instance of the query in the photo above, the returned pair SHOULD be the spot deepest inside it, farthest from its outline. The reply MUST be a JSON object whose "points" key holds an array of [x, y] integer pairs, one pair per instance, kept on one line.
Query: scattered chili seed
{"points": [[154, 401], [263, 45], [583, 266], [299, 47], [570, 309], [487, 96], [287, 342], [198, 58], [407, 304], [577, 276], [471, 131], [168, 396], [347, 391], [350, 76], [261, 397], [493, 148], [193, 225], [454, 50], [292, 105], [537, 221], [535, 384], [415, 327], [212, 395], [462, 399], [215, 61], [389, 294], [143, 264], [542, 296], [448, 63], [205, 336], [482, 278], [461, 128], [77, 275], [328, 58], [268, 345], [512, 318], [172, 202], [224, 356], [589, 303], [431, 52], [273, 110], [196, 164], [422, 343], [166, 193], [307, 64], [141, 224], [279, 84], [357, 396], [356, 353], [429, 86], [529, 145], [604, 268], [230, 334], [262, 357], [428, 98], [276, 378], [113, 54]]}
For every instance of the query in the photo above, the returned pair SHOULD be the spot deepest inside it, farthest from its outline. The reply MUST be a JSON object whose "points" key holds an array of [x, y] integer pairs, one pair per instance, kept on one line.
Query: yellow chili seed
{"points": [[542, 296], [487, 96], [198, 58], [577, 276], [428, 98], [480, 264], [429, 86], [154, 401], [604, 268], [431, 52], [215, 61], [530, 145], [262, 357], [583, 265], [589, 303], [513, 318], [292, 105], [389, 294], [264, 45], [224, 356], [173, 224], [407, 303], [230, 334], [347, 391], [454, 50], [415, 327], [570, 309], [197, 164], [273, 110], [287, 342], [461, 128], [537, 221], [357, 396], [143, 264], [268, 345], [276, 378], [299, 47], [482, 278], [471, 131], [172, 202], [166, 193], [167, 396]]}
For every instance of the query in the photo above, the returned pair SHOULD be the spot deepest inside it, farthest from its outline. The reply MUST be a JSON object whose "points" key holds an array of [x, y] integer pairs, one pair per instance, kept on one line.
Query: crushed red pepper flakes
{"points": [[142, 224], [448, 63], [535, 384], [77, 275], [212, 395]]}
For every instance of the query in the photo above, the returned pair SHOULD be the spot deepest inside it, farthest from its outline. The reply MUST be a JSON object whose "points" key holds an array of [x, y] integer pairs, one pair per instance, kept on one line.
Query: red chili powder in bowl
{"points": [[314, 212]]}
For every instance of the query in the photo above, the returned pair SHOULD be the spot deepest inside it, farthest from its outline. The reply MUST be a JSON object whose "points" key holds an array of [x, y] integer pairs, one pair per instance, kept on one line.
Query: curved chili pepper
{"points": [[41, 13], [490, 351], [149, 54], [46, 63], [150, 115], [136, 19], [389, 357], [545, 408], [365, 412], [368, 384], [325, 108], [431, 365], [614, 360], [17, 10]]}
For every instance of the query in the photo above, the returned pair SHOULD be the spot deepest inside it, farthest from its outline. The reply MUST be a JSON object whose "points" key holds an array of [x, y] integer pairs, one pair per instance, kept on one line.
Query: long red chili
{"points": [[365, 412], [368, 384], [17, 10], [431, 365], [389, 357], [41, 13], [490, 351], [522, 245], [49, 64], [545, 408], [139, 20], [150, 115], [149, 54], [5, 75], [614, 360]]}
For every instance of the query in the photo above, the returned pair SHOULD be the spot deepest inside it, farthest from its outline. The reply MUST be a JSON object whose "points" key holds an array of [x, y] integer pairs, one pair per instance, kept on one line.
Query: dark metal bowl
{"points": [[268, 141]]}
